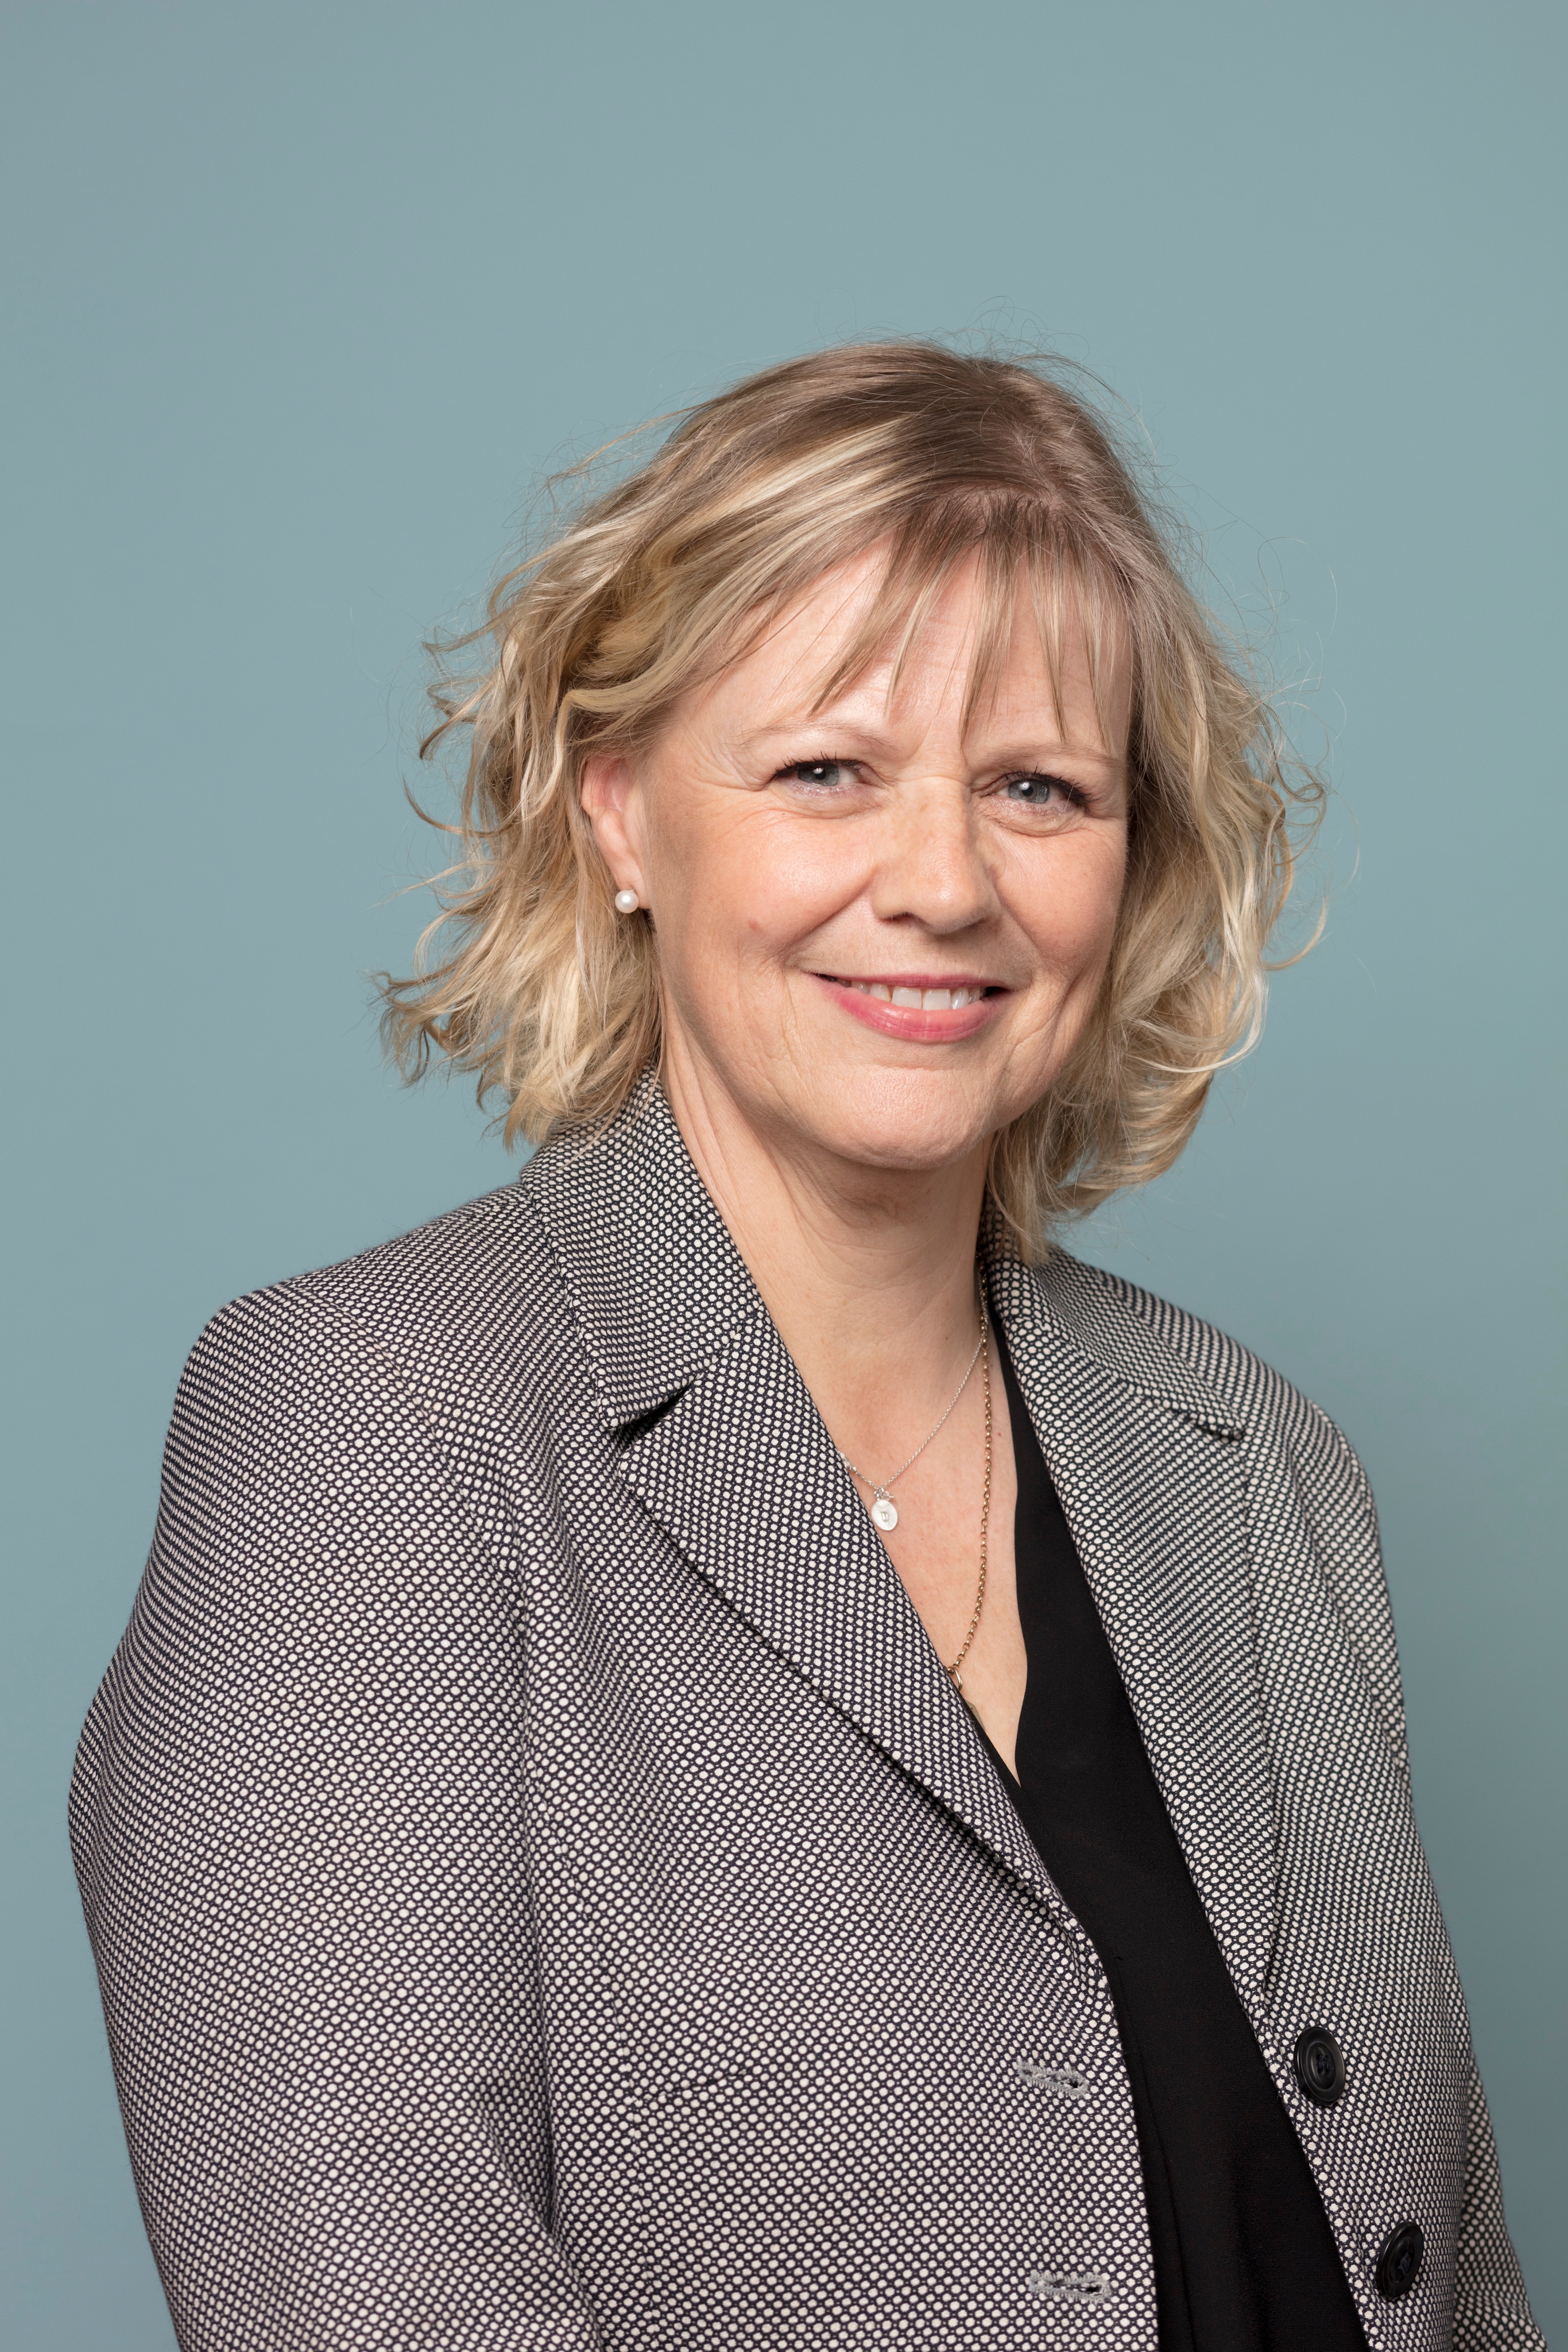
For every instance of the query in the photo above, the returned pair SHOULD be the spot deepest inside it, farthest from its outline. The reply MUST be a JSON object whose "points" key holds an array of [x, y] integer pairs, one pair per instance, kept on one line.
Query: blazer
{"points": [[546, 1892]]}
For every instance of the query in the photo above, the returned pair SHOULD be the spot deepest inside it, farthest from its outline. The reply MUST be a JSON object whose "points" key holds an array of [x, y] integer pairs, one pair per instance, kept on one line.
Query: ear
{"points": [[612, 804]]}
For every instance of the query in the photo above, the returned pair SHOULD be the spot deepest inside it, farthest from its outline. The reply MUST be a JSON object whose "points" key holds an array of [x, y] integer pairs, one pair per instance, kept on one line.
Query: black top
{"points": [[1244, 2260]]}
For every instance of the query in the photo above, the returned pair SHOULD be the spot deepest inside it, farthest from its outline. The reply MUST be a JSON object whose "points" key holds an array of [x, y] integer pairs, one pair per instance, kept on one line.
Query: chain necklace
{"points": [[954, 1676], [884, 1511]]}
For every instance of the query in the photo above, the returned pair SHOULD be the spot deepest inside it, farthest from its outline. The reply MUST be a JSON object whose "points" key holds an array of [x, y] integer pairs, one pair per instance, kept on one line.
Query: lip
{"points": [[913, 1024]]}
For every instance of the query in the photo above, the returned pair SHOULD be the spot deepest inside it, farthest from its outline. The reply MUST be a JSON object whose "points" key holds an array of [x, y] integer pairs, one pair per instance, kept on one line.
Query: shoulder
{"points": [[464, 1309]]}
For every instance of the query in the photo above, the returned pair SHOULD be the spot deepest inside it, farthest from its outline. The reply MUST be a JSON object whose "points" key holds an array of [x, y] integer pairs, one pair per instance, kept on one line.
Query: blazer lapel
{"points": [[1151, 1469], [725, 1447], [742, 1475]]}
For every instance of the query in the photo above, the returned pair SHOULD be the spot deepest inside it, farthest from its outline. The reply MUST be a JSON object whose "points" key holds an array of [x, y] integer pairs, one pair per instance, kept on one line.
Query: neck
{"points": [[869, 1273]]}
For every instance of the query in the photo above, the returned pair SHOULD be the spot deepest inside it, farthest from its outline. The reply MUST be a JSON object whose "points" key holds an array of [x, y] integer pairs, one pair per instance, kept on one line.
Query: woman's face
{"points": [[880, 934]]}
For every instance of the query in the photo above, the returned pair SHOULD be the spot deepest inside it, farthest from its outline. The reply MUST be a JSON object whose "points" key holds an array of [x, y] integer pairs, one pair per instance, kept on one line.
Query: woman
{"points": [[724, 1746]]}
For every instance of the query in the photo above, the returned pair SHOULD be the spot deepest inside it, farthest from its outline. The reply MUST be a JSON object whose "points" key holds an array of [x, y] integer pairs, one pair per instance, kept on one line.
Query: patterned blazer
{"points": [[545, 1891]]}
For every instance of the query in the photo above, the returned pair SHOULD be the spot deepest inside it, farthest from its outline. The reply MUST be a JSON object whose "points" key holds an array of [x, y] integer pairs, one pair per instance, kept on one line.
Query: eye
{"points": [[824, 775], [1042, 792]]}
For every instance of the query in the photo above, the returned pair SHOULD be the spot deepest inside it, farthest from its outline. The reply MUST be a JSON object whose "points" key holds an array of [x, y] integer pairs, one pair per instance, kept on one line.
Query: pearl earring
{"points": [[627, 902]]}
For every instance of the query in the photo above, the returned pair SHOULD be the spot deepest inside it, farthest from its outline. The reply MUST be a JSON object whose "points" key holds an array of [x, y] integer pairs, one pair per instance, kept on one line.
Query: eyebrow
{"points": [[816, 733]]}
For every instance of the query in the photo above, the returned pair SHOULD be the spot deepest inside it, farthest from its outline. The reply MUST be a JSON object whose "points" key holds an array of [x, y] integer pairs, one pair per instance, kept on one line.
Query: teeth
{"points": [[919, 1000]]}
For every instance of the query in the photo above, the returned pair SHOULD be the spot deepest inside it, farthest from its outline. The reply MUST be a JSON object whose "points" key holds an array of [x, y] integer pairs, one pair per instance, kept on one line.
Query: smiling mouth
{"points": [[916, 996]]}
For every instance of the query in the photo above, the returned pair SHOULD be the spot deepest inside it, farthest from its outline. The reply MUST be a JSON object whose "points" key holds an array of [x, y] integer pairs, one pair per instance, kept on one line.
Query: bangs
{"points": [[1026, 564]]}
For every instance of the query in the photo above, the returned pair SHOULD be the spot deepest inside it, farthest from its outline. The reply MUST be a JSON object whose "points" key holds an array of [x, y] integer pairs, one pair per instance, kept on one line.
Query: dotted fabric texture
{"points": [[546, 1892]]}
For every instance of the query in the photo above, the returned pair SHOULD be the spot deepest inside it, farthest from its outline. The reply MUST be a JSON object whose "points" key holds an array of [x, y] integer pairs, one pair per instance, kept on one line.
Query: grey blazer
{"points": [[545, 1891]]}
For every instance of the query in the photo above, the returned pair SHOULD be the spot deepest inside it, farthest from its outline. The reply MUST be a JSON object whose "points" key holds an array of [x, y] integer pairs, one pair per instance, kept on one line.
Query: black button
{"points": [[1319, 2065], [1399, 2263]]}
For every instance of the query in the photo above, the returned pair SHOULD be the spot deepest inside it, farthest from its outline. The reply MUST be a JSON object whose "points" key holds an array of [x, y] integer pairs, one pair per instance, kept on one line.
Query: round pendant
{"points": [[884, 1511]]}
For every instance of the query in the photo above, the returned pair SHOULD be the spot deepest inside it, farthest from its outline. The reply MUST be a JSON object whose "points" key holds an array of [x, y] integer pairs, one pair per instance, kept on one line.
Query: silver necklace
{"points": [[883, 1509]]}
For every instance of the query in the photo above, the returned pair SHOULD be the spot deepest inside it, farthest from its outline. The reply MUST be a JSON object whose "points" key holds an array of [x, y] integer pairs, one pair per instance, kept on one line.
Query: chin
{"points": [[914, 1122]]}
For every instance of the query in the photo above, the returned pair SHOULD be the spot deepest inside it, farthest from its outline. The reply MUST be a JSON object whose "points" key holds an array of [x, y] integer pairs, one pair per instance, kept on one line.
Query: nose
{"points": [[931, 867]]}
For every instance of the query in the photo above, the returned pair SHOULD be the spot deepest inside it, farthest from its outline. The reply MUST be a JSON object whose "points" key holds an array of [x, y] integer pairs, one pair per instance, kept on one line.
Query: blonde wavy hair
{"points": [[552, 1000]]}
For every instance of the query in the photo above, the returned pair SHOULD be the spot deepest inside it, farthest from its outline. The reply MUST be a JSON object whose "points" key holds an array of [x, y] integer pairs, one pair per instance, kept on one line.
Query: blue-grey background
{"points": [[299, 302]]}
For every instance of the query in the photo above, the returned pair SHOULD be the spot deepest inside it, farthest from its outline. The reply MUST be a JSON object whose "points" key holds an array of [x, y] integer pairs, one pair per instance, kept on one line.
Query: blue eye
{"points": [[1035, 791], [825, 773]]}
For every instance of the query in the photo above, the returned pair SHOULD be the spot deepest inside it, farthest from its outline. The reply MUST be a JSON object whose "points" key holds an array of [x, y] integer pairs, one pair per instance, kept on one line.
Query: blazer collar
{"points": [[654, 1279], [658, 1286], [1092, 1314]]}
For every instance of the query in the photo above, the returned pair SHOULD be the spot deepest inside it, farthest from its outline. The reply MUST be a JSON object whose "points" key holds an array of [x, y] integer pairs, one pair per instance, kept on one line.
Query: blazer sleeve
{"points": [[297, 1824], [1491, 2309]]}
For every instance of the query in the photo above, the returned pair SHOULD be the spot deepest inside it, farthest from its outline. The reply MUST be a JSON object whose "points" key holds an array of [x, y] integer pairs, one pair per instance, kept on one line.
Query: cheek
{"points": [[1068, 904], [744, 882]]}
